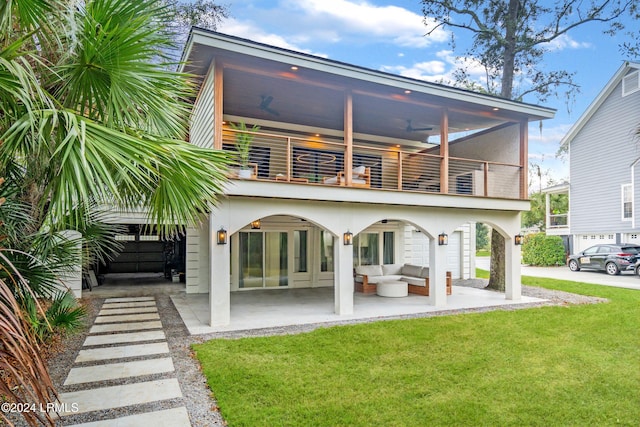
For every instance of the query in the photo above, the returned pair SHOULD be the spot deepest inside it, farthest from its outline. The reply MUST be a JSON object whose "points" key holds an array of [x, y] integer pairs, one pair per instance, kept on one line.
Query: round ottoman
{"points": [[392, 289]]}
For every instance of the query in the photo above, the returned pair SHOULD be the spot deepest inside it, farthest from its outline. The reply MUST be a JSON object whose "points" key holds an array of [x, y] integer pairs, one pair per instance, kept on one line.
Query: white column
{"points": [[220, 273], [512, 256], [437, 273], [343, 277]]}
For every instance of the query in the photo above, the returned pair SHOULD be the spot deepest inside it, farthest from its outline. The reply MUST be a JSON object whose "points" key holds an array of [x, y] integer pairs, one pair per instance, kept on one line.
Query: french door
{"points": [[263, 259]]}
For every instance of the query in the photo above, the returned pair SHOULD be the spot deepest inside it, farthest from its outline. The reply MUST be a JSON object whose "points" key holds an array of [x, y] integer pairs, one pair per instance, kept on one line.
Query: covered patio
{"points": [[274, 308]]}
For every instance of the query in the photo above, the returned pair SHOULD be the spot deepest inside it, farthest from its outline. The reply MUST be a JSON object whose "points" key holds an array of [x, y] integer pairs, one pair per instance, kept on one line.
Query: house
{"points": [[347, 166], [604, 176]]}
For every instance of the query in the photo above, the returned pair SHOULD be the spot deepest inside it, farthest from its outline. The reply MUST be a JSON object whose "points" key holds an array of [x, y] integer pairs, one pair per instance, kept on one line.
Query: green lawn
{"points": [[571, 366]]}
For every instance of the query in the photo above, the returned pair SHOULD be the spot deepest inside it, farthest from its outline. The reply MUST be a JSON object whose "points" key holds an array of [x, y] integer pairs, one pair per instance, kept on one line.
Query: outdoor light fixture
{"points": [[222, 236], [255, 225], [443, 239], [518, 239], [348, 238]]}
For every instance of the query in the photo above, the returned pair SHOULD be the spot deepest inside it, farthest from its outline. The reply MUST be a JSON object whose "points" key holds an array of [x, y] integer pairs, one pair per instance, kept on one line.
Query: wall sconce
{"points": [[255, 225], [443, 239], [222, 236], [518, 239], [348, 238]]}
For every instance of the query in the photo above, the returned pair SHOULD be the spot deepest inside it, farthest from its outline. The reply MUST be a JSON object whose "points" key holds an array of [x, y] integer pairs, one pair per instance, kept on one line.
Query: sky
{"points": [[390, 36]]}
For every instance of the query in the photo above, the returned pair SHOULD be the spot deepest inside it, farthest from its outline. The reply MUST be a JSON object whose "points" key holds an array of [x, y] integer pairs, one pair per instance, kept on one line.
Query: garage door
{"points": [[142, 256], [587, 240], [420, 252], [454, 254]]}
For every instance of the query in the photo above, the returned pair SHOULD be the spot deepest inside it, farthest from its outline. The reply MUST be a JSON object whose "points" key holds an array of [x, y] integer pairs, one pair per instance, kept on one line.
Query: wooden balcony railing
{"points": [[287, 158]]}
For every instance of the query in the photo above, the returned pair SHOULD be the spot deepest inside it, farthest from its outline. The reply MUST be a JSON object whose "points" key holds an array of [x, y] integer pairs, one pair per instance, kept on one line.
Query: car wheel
{"points": [[612, 268], [574, 266]]}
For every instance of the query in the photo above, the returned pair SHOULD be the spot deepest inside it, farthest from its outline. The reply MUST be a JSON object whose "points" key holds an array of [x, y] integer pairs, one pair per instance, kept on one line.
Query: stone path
{"points": [[124, 375]]}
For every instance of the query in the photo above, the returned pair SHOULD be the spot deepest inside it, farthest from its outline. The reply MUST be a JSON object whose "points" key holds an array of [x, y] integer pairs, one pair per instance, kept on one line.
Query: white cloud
{"points": [[403, 27], [566, 42], [248, 30]]}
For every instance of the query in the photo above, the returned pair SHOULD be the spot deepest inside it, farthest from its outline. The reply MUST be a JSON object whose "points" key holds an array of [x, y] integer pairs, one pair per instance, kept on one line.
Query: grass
{"points": [[570, 365], [483, 252]]}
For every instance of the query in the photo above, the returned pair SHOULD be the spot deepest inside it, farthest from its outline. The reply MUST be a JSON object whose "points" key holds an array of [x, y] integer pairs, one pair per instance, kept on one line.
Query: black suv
{"points": [[612, 258]]}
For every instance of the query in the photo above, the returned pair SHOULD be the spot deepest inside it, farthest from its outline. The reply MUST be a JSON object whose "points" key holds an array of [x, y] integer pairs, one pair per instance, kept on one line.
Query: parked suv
{"points": [[612, 258]]}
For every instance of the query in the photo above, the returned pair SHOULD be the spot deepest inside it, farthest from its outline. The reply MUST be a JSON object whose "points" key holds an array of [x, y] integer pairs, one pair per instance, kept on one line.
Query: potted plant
{"points": [[243, 142]]}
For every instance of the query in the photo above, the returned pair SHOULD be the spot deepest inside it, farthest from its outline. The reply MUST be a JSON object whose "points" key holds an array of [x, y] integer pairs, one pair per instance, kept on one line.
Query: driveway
{"points": [[625, 280]]}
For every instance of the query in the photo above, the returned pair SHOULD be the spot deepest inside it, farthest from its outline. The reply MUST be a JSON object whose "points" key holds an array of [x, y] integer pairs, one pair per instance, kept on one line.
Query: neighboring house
{"points": [[604, 175], [350, 166]]}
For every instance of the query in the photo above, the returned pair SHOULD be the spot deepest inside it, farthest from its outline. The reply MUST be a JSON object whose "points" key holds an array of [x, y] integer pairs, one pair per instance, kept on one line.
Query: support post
{"points": [[444, 151], [220, 271], [437, 273], [348, 138], [512, 256], [343, 277]]}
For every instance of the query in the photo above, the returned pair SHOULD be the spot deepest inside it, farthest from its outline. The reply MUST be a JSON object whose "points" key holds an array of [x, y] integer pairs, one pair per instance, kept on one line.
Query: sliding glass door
{"points": [[263, 259]]}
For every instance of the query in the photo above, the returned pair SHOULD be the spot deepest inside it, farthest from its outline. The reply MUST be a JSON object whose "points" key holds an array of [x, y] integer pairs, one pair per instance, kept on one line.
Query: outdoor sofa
{"points": [[416, 277]]}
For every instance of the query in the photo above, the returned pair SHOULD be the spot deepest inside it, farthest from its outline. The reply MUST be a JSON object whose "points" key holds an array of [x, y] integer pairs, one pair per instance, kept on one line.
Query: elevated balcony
{"points": [[324, 161]]}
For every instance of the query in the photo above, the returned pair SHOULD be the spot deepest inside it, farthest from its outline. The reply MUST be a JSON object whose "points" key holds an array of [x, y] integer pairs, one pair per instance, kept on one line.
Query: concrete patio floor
{"points": [[270, 308], [286, 307]]}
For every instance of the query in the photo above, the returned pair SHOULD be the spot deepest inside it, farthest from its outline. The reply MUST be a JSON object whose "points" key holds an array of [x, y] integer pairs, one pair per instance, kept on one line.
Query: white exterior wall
{"points": [[202, 122], [197, 259]]}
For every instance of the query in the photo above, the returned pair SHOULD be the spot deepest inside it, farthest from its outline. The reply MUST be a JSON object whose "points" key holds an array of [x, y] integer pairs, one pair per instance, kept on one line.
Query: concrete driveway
{"points": [[625, 280]]}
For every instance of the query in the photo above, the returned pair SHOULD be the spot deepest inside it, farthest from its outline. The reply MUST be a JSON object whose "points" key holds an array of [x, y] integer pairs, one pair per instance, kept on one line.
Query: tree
{"points": [[510, 40], [90, 116], [482, 236]]}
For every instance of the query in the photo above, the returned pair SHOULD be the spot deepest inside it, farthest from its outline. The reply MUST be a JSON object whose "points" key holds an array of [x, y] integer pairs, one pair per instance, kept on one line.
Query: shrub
{"points": [[540, 249]]}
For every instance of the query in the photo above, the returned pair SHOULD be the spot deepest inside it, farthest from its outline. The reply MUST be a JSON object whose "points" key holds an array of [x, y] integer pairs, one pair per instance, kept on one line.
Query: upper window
{"points": [[627, 202], [631, 83]]}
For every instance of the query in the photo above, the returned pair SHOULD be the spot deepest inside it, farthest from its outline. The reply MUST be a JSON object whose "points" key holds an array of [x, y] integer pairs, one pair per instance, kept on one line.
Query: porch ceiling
{"points": [[314, 95]]}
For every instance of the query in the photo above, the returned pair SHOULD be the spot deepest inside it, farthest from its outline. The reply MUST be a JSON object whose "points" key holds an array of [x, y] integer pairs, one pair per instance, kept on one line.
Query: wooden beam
{"points": [[218, 76], [444, 151], [524, 159], [348, 137]]}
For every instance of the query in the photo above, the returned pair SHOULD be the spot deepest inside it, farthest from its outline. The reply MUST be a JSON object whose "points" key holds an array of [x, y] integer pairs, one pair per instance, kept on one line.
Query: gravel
{"points": [[197, 397]]}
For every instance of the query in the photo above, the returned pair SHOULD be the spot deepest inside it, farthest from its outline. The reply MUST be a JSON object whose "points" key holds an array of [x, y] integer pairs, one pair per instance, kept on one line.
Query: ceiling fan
{"points": [[412, 129], [264, 105]]}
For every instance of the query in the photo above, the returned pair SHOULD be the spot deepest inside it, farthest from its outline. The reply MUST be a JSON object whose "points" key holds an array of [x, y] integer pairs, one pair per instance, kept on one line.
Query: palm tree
{"points": [[91, 114]]}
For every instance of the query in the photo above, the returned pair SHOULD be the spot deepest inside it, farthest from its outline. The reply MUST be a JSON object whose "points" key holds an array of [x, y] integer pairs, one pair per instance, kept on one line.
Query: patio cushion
{"points": [[369, 270], [359, 170], [424, 273], [411, 270], [380, 279], [391, 269], [417, 281], [332, 180]]}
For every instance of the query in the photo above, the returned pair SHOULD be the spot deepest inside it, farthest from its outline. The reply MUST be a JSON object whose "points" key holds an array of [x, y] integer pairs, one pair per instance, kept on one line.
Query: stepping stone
{"points": [[128, 304], [122, 352], [97, 399], [112, 371], [127, 318], [120, 327], [129, 299], [124, 337], [176, 417], [134, 310]]}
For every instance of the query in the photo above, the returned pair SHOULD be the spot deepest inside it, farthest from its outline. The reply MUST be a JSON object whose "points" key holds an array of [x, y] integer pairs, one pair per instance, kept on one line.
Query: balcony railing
{"points": [[287, 158]]}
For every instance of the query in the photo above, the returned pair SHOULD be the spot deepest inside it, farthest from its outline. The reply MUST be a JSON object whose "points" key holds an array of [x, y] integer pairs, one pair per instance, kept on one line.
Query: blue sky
{"points": [[389, 36]]}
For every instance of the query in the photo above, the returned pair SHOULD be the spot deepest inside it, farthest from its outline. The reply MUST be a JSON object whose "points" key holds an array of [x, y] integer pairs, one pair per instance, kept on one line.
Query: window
{"points": [[366, 249], [387, 247], [326, 251], [627, 202], [300, 251]]}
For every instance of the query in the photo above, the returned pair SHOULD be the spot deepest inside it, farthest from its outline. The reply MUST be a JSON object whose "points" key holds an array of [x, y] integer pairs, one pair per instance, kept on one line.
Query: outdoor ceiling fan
{"points": [[264, 105], [412, 129]]}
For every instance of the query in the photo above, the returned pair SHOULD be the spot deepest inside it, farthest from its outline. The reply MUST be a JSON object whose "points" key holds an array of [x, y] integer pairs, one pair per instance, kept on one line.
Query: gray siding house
{"points": [[604, 170]]}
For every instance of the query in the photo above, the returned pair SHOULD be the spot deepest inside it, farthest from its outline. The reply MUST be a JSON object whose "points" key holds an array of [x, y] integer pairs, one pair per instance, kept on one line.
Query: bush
{"points": [[540, 249]]}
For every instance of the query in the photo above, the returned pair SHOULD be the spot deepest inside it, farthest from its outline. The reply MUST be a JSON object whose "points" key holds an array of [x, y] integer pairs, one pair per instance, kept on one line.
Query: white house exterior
{"points": [[347, 151], [604, 152]]}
